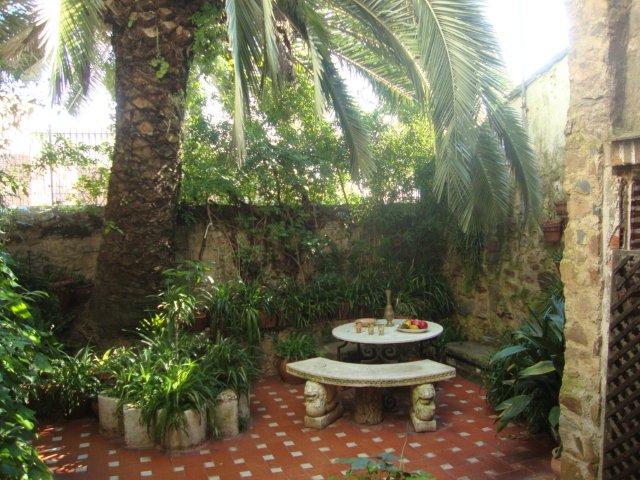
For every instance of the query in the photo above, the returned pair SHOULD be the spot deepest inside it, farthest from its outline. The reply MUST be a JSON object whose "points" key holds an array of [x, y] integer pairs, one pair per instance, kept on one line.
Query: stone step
{"points": [[470, 358]]}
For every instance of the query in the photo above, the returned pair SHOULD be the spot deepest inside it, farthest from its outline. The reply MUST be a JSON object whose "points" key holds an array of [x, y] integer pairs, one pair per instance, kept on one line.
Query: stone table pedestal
{"points": [[368, 409]]}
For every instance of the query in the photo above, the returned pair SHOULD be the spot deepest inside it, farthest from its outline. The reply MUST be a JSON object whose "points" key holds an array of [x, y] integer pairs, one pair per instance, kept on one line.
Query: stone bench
{"points": [[324, 375]]}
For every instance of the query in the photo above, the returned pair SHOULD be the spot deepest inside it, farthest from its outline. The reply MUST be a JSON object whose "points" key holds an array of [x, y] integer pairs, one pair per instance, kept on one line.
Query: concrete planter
{"points": [[244, 411], [111, 420], [225, 414], [136, 434], [193, 432]]}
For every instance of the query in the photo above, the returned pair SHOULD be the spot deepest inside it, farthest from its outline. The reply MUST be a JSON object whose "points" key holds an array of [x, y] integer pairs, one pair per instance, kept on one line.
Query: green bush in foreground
{"points": [[22, 361]]}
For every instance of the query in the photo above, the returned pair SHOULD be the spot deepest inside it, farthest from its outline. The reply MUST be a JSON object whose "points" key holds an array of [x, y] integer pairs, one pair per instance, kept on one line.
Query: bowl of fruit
{"points": [[414, 326]]}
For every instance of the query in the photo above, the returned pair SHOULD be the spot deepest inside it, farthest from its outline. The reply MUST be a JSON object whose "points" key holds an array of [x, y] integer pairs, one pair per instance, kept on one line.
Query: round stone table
{"points": [[378, 348], [382, 348]]}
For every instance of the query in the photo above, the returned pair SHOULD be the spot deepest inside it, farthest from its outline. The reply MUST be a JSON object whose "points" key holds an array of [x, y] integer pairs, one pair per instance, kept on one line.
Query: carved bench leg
{"points": [[423, 408], [368, 409], [322, 405]]}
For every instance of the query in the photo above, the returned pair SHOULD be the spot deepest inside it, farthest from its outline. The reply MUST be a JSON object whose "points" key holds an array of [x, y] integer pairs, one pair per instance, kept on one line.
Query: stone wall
{"points": [[604, 61], [69, 239], [498, 301]]}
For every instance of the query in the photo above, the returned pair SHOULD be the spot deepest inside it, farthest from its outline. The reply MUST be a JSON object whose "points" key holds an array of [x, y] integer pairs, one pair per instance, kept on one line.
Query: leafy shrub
{"points": [[297, 346], [236, 306], [524, 378], [69, 386], [381, 467], [233, 365], [22, 361]]}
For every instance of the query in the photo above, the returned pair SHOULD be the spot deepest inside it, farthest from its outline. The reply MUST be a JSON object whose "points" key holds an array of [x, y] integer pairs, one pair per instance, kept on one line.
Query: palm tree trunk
{"points": [[152, 42]]}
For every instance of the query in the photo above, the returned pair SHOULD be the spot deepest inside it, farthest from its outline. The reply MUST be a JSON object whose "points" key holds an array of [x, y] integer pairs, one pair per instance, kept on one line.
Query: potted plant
{"points": [[190, 282], [561, 208], [235, 368], [556, 461], [295, 346], [552, 231], [112, 363], [166, 395], [386, 466]]}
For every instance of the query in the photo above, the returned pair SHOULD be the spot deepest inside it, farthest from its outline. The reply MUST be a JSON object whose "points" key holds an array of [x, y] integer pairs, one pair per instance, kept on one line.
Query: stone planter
{"points": [[136, 434], [225, 414], [110, 416], [285, 376], [192, 433], [244, 411]]}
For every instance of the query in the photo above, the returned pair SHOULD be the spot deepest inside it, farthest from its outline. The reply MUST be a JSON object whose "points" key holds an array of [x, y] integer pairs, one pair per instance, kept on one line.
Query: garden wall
{"points": [[488, 308], [69, 239]]}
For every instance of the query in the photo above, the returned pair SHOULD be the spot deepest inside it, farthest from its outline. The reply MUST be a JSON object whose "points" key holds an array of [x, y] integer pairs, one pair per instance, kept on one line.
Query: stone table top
{"points": [[325, 370], [347, 332]]}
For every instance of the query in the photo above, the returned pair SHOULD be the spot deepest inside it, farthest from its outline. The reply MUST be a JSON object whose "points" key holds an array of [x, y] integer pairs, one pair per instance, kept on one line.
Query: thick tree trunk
{"points": [[152, 42]]}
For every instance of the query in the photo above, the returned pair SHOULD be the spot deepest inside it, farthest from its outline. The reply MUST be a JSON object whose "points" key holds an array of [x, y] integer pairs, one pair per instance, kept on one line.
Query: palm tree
{"points": [[438, 54]]}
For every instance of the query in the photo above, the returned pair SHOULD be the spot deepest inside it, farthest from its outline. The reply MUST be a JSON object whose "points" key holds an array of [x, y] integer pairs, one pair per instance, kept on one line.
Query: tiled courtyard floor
{"points": [[277, 446]]}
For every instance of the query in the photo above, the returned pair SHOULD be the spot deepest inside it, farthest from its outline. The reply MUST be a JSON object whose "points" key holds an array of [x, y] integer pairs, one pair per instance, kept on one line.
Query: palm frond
{"points": [[70, 33], [65, 35], [244, 22], [327, 79], [271, 50], [507, 122], [390, 23]]}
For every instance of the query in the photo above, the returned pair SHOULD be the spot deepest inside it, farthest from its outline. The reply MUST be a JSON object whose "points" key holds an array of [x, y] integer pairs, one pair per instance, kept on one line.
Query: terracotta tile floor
{"points": [[278, 446]]}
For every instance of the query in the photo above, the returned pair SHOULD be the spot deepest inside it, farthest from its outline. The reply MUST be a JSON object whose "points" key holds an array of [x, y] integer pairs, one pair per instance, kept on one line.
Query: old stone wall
{"points": [[68, 240], [513, 276], [603, 61], [498, 300]]}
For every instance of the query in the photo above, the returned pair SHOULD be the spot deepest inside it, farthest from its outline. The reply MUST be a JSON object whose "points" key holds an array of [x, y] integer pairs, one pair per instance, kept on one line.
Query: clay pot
{"points": [[552, 230], [285, 376], [136, 434], [200, 321], [561, 208], [225, 414], [556, 466], [267, 321], [343, 309], [492, 246]]}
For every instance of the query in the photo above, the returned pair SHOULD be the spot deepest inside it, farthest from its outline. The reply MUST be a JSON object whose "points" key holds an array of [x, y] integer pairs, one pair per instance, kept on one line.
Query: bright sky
{"points": [[531, 32]]}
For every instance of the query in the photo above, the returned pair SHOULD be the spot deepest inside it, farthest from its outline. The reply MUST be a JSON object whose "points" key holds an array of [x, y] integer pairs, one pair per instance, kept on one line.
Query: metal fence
{"points": [[47, 186]]}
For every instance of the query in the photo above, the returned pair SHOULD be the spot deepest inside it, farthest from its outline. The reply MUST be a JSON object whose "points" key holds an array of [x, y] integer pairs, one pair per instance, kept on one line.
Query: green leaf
{"points": [[511, 408], [507, 352], [540, 368], [554, 417]]}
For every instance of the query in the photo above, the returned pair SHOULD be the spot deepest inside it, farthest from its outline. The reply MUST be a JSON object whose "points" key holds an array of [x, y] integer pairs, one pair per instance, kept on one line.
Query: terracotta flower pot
{"points": [[200, 321], [556, 466], [552, 230], [267, 321], [286, 376], [561, 208]]}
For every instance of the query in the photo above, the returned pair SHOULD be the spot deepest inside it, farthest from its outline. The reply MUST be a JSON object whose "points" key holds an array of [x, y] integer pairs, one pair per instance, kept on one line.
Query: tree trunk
{"points": [[152, 42]]}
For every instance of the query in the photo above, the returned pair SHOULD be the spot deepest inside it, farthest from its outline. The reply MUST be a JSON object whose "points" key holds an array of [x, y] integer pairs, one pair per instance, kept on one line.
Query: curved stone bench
{"points": [[324, 376]]}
